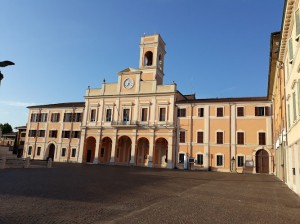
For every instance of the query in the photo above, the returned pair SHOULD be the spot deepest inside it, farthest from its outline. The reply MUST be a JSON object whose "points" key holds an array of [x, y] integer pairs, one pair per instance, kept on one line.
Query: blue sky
{"points": [[214, 48]]}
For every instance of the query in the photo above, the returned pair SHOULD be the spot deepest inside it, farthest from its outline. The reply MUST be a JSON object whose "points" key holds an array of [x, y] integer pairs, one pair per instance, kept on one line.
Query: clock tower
{"points": [[152, 53]]}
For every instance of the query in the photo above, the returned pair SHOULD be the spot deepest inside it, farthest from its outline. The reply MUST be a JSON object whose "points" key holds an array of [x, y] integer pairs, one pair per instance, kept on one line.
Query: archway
{"points": [[89, 150], [262, 161], [105, 150], [51, 151], [142, 151], [148, 58], [123, 152], [161, 152]]}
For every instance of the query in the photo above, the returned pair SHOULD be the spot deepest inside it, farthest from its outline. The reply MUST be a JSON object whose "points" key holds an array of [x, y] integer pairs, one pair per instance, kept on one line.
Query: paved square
{"points": [[77, 193]]}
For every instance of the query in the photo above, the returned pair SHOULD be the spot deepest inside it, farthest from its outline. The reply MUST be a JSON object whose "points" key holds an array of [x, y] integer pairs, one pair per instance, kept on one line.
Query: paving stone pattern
{"points": [[78, 193]]}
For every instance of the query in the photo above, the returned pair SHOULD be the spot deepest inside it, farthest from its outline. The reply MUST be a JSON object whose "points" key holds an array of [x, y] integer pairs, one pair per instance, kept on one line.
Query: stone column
{"points": [[151, 147], [133, 149], [170, 164], [96, 159], [113, 149]]}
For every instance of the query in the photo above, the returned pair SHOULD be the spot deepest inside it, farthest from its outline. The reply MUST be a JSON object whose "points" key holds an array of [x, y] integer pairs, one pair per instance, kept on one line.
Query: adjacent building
{"points": [[141, 121]]}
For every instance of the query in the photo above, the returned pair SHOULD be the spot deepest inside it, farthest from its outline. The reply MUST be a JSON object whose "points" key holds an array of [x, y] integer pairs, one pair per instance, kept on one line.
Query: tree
{"points": [[6, 128]]}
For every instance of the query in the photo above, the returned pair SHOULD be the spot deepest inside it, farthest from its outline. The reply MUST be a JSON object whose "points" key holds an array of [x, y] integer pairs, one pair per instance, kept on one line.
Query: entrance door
{"points": [[51, 152], [262, 161], [88, 156]]}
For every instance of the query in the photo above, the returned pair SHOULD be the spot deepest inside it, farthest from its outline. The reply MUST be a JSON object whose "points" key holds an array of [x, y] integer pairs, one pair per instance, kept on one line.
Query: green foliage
{"points": [[6, 128]]}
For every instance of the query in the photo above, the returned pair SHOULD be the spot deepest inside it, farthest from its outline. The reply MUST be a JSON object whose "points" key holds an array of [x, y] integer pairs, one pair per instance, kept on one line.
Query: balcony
{"points": [[140, 124]]}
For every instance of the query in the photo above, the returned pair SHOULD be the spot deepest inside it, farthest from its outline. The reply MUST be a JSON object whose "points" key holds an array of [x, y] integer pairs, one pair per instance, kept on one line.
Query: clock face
{"points": [[128, 83]]}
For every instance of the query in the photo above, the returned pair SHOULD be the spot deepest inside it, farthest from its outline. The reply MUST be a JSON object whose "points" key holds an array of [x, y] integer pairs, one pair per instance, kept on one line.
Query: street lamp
{"points": [[4, 64]]}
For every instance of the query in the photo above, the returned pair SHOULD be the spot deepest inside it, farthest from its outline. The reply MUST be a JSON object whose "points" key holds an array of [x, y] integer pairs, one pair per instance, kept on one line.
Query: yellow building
{"points": [[142, 122], [288, 67]]}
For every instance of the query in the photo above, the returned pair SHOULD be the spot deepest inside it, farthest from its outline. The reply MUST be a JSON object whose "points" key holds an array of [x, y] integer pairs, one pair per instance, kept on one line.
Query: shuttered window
{"points": [[297, 19], [181, 158], [219, 137], [240, 111], [291, 53], [162, 114], [200, 159], [262, 138], [181, 112], [200, 112], [240, 138], [220, 112], [294, 106], [219, 160], [182, 137], [289, 116], [144, 114], [200, 137], [240, 161]]}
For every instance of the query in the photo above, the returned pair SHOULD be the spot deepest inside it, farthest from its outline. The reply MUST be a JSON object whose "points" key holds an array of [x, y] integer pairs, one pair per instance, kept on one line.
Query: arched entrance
{"points": [[89, 150], [142, 152], [161, 152], [105, 150], [123, 152], [262, 161], [51, 151]]}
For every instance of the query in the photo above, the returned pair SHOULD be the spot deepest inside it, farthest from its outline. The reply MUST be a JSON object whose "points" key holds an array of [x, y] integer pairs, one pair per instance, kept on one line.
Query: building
{"points": [[20, 140], [287, 70], [141, 121]]}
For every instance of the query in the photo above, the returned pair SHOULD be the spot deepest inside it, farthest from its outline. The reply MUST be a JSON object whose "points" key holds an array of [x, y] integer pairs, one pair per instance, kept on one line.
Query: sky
{"points": [[214, 48]]}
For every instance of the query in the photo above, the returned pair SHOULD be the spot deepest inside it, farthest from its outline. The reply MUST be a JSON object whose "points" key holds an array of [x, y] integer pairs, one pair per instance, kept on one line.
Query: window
{"points": [[219, 160], [162, 114], [262, 138], [219, 137], [93, 115], [291, 53], [43, 117], [34, 117], [240, 111], [294, 107], [200, 137], [102, 152], [240, 138], [148, 58], [144, 114], [240, 161], [182, 136], [23, 135], [38, 152], [297, 19], [181, 158], [220, 112], [76, 134], [63, 152], [53, 134], [32, 133], [259, 111], [41, 133], [108, 115], [77, 117], [68, 117], [181, 112], [29, 150], [126, 114], [289, 116], [73, 152], [200, 159], [55, 117], [65, 134], [200, 112]]}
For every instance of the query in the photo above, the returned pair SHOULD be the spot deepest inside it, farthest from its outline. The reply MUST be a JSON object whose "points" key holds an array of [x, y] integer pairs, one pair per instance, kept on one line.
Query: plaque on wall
{"points": [[249, 163]]}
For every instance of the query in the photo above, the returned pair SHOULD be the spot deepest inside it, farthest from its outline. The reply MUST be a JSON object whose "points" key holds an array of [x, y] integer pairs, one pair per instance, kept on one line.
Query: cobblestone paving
{"points": [[76, 193]]}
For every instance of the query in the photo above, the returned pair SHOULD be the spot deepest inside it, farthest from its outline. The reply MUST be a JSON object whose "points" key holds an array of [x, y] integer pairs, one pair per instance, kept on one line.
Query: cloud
{"points": [[16, 103]]}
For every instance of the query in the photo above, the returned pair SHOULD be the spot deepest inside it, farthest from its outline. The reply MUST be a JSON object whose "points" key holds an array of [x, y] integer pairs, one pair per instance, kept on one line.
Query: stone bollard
{"points": [[3, 162], [49, 163], [27, 162]]}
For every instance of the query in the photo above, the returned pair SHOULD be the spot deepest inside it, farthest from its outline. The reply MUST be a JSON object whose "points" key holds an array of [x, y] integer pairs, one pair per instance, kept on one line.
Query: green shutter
{"points": [[288, 114], [297, 18], [291, 54], [294, 107]]}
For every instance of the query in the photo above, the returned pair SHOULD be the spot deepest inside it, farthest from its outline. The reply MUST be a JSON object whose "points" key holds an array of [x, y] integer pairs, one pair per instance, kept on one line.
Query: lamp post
{"points": [[4, 64]]}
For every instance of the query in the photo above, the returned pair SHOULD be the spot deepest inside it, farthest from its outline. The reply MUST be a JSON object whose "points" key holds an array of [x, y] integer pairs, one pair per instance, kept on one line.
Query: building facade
{"points": [[141, 121], [288, 66]]}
